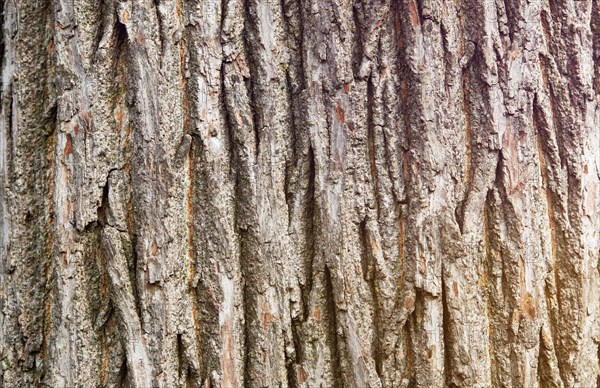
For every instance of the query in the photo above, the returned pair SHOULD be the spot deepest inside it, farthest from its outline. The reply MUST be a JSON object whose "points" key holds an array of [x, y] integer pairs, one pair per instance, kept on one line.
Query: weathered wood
{"points": [[300, 193]]}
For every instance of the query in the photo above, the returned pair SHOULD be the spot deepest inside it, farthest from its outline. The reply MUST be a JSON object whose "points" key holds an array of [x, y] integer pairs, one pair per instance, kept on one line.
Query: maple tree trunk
{"points": [[305, 193]]}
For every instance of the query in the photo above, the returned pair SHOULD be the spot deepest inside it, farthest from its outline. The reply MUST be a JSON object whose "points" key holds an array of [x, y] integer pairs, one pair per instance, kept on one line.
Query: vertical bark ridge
{"points": [[26, 248], [220, 252], [267, 291], [576, 116]]}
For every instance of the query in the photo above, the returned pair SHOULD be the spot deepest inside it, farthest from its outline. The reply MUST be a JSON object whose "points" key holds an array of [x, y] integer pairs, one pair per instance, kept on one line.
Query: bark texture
{"points": [[305, 193]]}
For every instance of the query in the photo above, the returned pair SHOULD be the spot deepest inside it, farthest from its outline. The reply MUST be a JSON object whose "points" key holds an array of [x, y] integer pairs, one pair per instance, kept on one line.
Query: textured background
{"points": [[308, 193]]}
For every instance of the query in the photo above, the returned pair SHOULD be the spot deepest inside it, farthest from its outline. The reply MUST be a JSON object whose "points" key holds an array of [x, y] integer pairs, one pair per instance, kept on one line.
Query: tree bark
{"points": [[301, 193]]}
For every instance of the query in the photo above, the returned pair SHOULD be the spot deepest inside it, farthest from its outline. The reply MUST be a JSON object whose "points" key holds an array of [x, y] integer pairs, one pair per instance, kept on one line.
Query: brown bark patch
{"points": [[301, 375], [404, 88], [228, 351], [483, 279], [423, 264], [69, 145], [317, 314], [374, 246], [139, 38], [528, 306], [340, 114], [267, 317], [514, 54], [414, 13], [120, 115], [153, 248]]}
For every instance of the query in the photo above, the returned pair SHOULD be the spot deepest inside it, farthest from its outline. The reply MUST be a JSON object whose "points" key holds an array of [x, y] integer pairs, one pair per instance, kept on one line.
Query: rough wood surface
{"points": [[303, 193]]}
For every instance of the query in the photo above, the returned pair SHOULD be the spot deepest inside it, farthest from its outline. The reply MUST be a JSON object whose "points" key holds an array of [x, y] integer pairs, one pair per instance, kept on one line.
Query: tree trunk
{"points": [[300, 193]]}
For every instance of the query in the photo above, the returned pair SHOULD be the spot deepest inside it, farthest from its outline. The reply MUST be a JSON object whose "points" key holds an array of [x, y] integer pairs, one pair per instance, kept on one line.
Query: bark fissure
{"points": [[333, 327]]}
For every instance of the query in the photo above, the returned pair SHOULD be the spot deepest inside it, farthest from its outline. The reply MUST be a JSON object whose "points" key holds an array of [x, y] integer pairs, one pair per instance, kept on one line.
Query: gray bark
{"points": [[300, 193]]}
